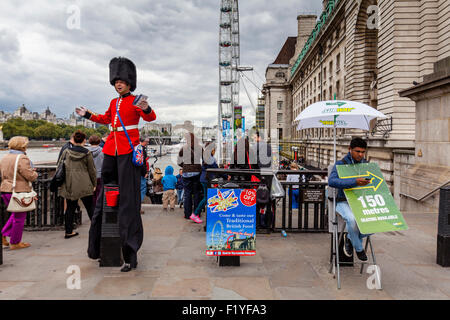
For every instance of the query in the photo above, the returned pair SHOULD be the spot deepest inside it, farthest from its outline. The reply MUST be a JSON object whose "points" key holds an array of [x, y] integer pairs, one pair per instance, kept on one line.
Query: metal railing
{"points": [[311, 215], [426, 195], [49, 213], [312, 212]]}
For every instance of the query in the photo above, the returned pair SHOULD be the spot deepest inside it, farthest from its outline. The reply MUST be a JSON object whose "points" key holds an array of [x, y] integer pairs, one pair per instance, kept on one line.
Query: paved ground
{"points": [[173, 265]]}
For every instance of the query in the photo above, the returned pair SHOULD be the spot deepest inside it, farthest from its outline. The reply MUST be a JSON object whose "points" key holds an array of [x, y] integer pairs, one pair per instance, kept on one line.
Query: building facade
{"points": [[277, 94], [366, 51]]}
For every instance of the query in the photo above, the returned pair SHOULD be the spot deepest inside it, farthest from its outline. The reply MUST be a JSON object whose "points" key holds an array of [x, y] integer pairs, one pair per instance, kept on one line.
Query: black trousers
{"points": [[70, 210], [121, 171], [192, 187]]}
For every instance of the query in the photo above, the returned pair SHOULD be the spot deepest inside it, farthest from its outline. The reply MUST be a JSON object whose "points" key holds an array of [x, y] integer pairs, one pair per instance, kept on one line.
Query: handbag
{"points": [[277, 188], [138, 152], [59, 177], [21, 201]]}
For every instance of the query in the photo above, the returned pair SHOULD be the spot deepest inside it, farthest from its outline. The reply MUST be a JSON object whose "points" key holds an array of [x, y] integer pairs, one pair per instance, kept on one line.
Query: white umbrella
{"points": [[337, 114]]}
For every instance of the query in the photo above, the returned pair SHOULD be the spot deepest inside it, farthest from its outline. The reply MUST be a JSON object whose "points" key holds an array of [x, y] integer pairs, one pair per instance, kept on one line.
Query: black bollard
{"points": [[443, 237], [110, 247]]}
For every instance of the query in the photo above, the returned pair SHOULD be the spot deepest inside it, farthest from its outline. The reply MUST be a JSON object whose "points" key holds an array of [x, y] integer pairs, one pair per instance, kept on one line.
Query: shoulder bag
{"points": [[21, 201], [138, 152], [60, 175]]}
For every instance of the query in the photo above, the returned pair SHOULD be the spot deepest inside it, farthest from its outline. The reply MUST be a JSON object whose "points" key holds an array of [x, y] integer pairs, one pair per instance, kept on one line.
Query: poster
{"points": [[231, 222], [373, 206]]}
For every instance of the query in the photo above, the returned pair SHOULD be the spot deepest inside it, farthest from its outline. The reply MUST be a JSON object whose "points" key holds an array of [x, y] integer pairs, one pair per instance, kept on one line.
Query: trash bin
{"points": [[110, 247], [443, 237]]}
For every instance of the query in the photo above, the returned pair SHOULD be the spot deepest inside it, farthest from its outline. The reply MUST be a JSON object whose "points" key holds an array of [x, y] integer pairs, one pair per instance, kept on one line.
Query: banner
{"points": [[372, 205], [231, 222]]}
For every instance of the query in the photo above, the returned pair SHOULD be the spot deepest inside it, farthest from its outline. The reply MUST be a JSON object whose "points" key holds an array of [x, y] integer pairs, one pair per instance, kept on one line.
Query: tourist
{"points": [[97, 154], [157, 186], [179, 187], [169, 182], [357, 151], [295, 188], [118, 167], [69, 145], [208, 163], [80, 180], [189, 158], [24, 176]]}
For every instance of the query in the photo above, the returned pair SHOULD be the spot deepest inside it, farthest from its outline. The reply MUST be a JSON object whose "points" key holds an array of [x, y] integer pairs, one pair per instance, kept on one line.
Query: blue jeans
{"points": [[180, 195], [191, 188], [354, 235], [203, 202], [143, 188], [294, 195]]}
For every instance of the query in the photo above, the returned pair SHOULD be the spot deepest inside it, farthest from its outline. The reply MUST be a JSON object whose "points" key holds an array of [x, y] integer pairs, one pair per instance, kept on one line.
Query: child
{"points": [[169, 182]]}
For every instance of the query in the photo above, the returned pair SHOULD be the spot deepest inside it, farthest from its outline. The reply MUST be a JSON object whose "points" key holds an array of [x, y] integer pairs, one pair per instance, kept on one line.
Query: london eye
{"points": [[229, 55]]}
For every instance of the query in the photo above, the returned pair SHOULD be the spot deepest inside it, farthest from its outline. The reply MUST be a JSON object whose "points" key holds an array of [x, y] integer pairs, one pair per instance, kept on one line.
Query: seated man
{"points": [[356, 154]]}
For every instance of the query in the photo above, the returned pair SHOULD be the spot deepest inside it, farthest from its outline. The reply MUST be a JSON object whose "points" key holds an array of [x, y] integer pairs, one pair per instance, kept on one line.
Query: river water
{"points": [[50, 156]]}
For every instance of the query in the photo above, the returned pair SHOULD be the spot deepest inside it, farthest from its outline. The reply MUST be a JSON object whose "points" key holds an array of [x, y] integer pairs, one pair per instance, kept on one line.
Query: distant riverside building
{"points": [[25, 114], [260, 114], [366, 51], [164, 128]]}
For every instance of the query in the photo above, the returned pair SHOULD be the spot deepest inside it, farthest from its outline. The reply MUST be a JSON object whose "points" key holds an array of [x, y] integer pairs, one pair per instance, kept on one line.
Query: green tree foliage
{"points": [[43, 130]]}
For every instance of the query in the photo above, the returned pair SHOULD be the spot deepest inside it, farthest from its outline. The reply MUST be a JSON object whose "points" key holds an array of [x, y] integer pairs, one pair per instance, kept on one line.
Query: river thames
{"points": [[50, 155]]}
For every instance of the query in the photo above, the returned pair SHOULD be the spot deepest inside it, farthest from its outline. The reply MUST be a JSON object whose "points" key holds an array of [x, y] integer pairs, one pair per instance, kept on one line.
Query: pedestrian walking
{"points": [[189, 158], [209, 162], [158, 188], [169, 182], [118, 167], [97, 154], [25, 174], [80, 180], [179, 187], [294, 194]]}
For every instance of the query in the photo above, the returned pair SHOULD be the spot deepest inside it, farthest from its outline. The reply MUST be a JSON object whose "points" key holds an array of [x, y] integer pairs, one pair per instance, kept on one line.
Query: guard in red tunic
{"points": [[117, 164]]}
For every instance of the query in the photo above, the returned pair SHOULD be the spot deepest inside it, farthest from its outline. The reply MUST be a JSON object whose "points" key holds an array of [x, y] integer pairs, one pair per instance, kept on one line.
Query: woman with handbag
{"points": [[80, 180], [17, 174]]}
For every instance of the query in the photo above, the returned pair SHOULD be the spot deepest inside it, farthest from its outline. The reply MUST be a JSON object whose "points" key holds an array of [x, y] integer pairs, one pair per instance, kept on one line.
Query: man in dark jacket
{"points": [[179, 187], [357, 151]]}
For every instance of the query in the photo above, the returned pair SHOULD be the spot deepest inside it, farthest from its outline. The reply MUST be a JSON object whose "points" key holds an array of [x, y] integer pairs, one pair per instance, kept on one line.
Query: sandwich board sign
{"points": [[231, 222], [373, 206]]}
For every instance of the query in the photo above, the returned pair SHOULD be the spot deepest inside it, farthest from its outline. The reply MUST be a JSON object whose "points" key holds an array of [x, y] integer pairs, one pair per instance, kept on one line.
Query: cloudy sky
{"points": [[49, 57]]}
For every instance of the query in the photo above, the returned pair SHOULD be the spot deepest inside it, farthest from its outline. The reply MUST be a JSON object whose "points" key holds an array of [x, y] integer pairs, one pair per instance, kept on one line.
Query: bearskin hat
{"points": [[121, 68]]}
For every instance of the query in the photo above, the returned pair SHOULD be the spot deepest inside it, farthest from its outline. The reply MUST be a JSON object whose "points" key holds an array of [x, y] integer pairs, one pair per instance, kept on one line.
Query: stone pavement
{"points": [[173, 265]]}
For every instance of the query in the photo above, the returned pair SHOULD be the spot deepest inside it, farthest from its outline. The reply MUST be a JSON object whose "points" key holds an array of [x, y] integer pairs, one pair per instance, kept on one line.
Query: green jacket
{"points": [[80, 173]]}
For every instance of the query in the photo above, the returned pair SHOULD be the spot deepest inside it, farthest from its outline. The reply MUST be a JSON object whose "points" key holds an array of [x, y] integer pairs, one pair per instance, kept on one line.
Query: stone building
{"points": [[277, 94], [367, 51]]}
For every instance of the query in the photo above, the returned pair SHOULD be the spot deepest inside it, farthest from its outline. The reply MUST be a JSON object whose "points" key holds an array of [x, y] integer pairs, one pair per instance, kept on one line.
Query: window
{"points": [[330, 90], [331, 69], [324, 74], [279, 117], [280, 105], [337, 90], [338, 62], [280, 74], [280, 134]]}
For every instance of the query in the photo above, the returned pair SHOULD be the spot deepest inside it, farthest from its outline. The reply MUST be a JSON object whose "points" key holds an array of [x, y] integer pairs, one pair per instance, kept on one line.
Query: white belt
{"points": [[111, 128]]}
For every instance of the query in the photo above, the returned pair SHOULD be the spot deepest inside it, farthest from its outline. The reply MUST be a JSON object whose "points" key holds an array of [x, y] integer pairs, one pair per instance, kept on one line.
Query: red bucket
{"points": [[112, 198]]}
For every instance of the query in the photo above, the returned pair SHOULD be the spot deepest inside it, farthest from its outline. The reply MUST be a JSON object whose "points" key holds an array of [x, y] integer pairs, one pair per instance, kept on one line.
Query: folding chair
{"points": [[336, 227]]}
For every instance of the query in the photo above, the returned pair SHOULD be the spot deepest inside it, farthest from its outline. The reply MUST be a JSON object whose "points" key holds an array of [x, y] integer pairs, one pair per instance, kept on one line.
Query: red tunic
{"points": [[117, 142]]}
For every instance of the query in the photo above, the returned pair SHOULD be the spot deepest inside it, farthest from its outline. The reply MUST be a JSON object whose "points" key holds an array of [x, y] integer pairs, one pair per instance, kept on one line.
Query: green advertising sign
{"points": [[373, 206]]}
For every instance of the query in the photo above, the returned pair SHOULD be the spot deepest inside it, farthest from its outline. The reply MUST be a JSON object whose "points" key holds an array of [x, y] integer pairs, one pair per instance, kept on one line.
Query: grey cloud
{"points": [[174, 45]]}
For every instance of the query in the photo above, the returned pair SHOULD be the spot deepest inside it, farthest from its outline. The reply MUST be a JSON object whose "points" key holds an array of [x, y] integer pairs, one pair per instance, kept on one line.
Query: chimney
{"points": [[306, 24]]}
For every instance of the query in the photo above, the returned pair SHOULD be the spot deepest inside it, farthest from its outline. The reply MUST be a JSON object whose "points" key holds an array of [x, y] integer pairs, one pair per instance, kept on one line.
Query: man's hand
{"points": [[362, 182], [81, 111], [143, 105]]}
